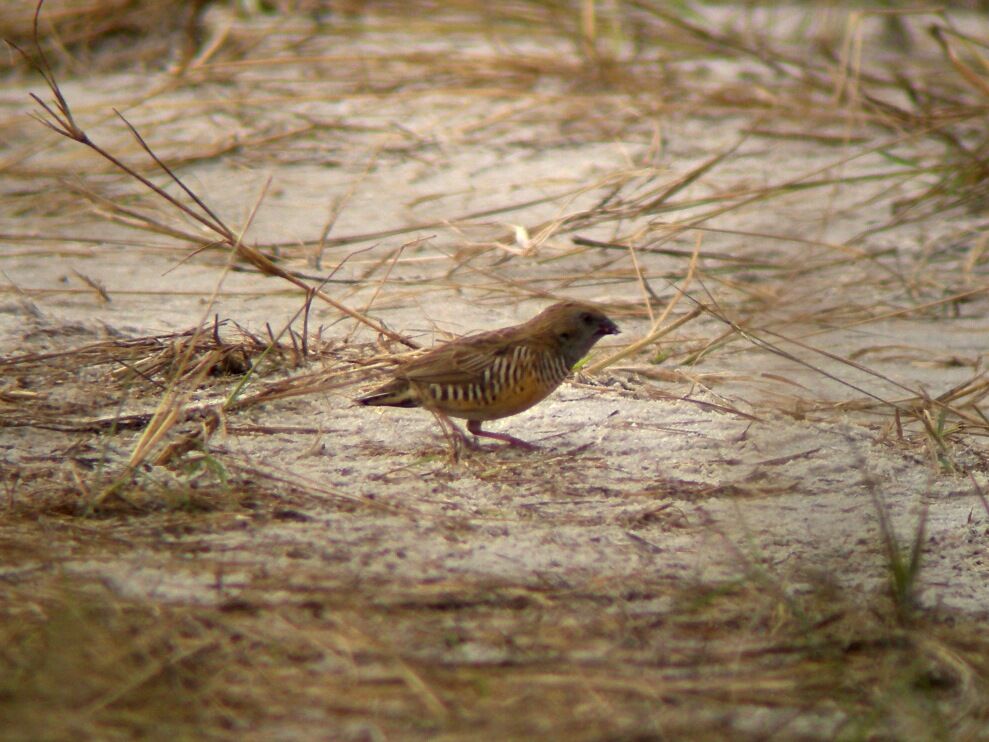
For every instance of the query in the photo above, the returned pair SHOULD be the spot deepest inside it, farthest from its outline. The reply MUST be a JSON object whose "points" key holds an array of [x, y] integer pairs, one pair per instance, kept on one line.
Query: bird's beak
{"points": [[607, 327]]}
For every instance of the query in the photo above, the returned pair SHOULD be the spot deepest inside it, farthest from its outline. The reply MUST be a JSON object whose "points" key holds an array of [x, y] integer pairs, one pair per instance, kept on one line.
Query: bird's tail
{"points": [[390, 398]]}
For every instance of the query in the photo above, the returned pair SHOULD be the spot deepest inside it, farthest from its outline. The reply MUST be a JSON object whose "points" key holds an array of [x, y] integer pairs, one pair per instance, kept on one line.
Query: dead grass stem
{"points": [[292, 594]]}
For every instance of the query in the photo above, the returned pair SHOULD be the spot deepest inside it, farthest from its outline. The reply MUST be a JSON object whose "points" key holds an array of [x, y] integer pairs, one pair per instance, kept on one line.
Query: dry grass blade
{"points": [[80, 35], [204, 536], [977, 81], [654, 334], [656, 331], [60, 120]]}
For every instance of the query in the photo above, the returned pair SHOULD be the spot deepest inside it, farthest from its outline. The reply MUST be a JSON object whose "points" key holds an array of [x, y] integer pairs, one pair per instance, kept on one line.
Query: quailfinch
{"points": [[498, 373]]}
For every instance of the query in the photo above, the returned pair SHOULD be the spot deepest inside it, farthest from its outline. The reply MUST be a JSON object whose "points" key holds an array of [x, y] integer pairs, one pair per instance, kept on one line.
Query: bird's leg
{"points": [[474, 426], [454, 435]]}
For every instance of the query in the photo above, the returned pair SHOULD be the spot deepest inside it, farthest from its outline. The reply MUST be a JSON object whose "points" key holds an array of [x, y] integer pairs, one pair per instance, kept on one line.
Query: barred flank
{"points": [[506, 374]]}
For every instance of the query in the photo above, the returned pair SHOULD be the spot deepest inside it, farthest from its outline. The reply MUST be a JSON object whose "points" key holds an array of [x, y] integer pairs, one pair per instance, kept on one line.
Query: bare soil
{"points": [[709, 540]]}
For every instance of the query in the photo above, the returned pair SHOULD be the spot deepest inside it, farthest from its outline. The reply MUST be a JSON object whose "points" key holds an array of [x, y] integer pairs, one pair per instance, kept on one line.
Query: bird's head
{"points": [[574, 327]]}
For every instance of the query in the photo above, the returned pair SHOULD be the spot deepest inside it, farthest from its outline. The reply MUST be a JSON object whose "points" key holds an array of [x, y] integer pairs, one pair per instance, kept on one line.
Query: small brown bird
{"points": [[499, 373]]}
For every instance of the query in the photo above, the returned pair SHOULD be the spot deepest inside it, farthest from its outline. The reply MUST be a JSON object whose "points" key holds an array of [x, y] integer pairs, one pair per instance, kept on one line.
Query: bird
{"points": [[495, 374]]}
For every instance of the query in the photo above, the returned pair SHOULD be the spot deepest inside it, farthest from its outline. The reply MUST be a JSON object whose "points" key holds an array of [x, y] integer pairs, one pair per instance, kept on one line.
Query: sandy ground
{"points": [[742, 461]]}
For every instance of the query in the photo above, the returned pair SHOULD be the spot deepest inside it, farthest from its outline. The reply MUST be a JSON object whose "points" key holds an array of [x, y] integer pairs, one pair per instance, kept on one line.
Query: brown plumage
{"points": [[499, 373]]}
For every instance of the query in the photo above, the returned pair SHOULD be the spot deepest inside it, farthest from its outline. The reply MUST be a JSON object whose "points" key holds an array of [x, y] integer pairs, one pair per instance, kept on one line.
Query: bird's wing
{"points": [[461, 361]]}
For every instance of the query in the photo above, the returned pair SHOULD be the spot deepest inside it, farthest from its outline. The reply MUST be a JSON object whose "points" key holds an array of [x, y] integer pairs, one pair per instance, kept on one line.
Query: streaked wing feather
{"points": [[460, 362]]}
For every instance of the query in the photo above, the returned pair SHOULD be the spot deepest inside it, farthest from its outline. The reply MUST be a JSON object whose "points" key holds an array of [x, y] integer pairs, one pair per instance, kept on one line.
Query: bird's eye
{"points": [[564, 336], [586, 318]]}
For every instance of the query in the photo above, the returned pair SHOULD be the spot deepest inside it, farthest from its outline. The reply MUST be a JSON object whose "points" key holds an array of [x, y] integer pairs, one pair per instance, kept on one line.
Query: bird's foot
{"points": [[474, 427]]}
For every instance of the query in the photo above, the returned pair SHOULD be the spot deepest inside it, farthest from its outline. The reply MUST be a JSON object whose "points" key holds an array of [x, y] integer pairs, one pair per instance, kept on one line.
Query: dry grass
{"points": [[298, 643], [289, 651], [110, 34]]}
